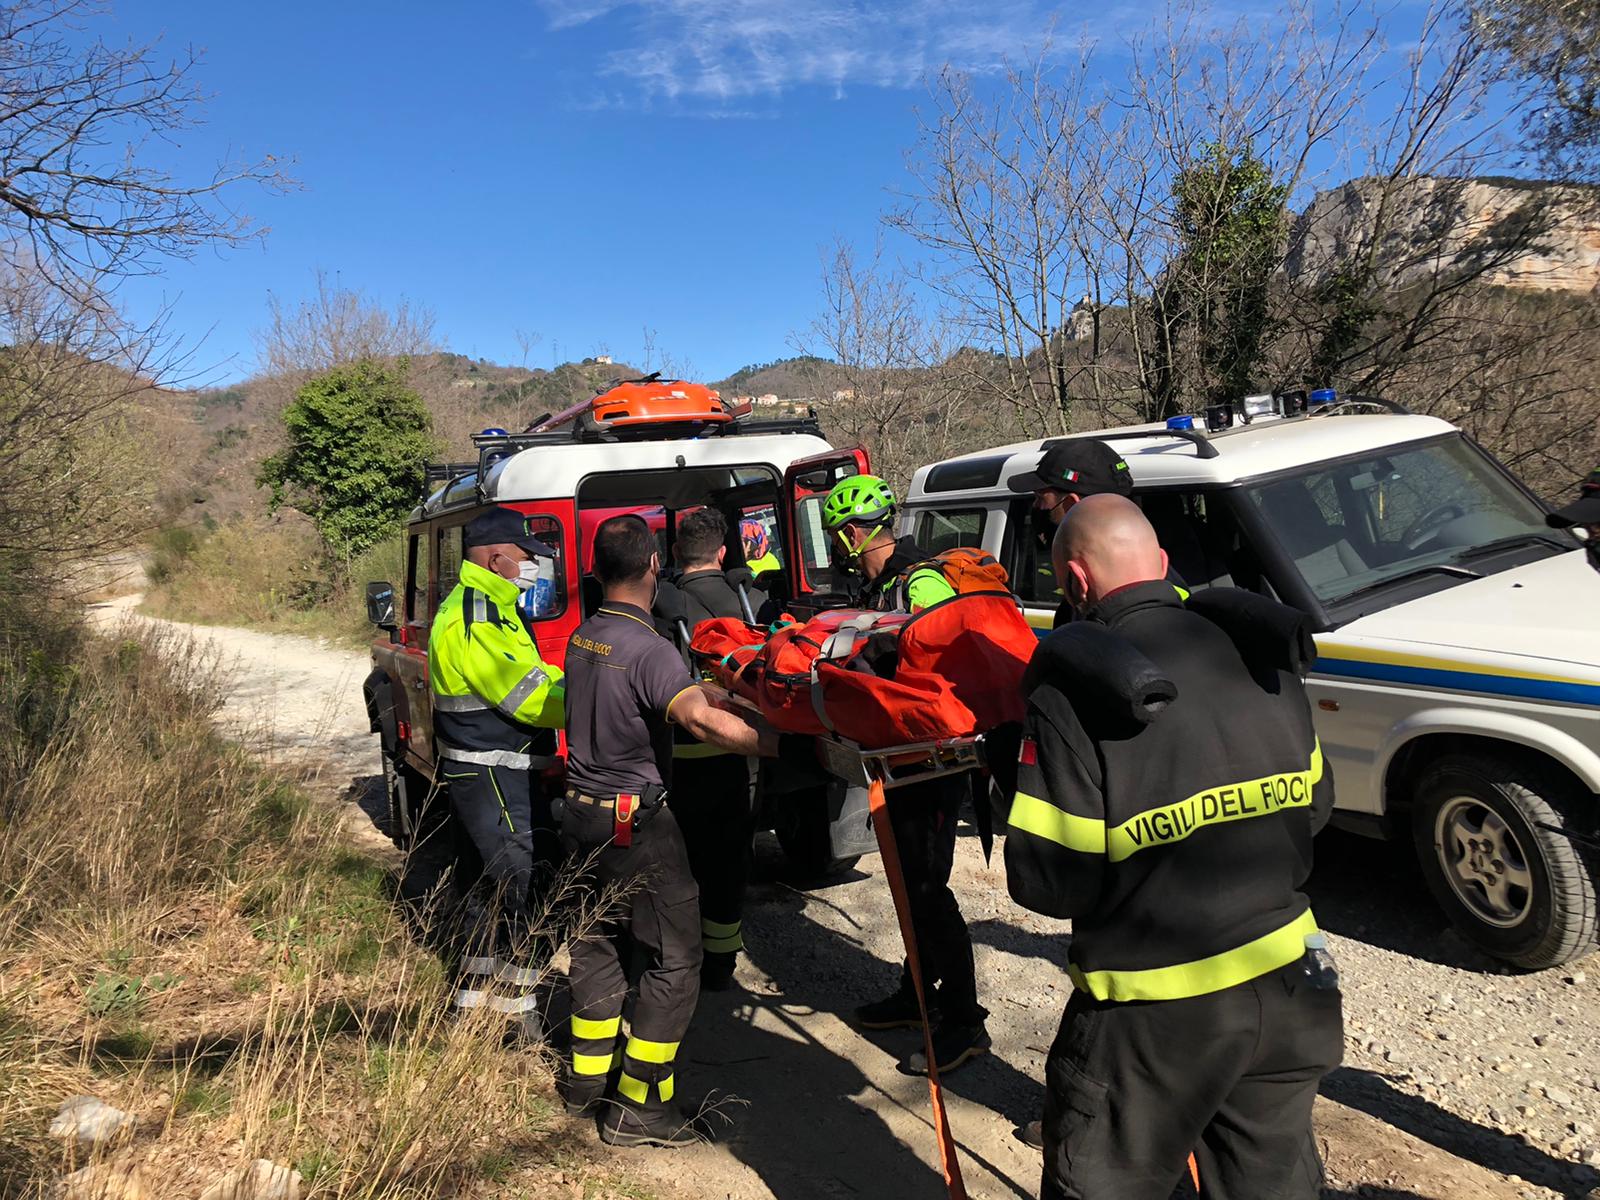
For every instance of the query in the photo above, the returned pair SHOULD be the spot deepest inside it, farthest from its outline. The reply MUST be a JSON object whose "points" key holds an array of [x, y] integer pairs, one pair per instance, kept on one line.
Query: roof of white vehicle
{"points": [[1266, 446], [555, 471]]}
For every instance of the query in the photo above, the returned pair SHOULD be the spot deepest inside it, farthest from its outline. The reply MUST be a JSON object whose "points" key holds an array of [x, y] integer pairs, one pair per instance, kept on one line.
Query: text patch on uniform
{"points": [[1214, 806]]}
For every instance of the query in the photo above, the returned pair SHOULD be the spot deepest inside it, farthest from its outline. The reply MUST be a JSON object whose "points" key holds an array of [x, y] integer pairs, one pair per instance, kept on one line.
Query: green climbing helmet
{"points": [[864, 498]]}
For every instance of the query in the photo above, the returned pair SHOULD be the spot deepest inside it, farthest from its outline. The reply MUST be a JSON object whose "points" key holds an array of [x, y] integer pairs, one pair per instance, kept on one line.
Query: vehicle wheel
{"points": [[1485, 828], [407, 789], [800, 821]]}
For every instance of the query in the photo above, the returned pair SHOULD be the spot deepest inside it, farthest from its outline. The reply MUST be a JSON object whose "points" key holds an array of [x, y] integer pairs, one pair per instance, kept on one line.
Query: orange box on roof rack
{"points": [[666, 401]]}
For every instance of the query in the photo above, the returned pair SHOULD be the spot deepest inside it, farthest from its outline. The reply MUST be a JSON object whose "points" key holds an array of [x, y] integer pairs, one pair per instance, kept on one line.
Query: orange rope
{"points": [[878, 805]]}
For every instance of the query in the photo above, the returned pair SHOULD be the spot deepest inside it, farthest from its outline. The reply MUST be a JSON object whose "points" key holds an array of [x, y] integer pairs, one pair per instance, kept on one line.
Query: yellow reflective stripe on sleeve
{"points": [[651, 1052], [1043, 819], [1214, 806], [593, 1031], [634, 1089], [697, 750], [1203, 976], [667, 1088], [722, 938], [591, 1064]]}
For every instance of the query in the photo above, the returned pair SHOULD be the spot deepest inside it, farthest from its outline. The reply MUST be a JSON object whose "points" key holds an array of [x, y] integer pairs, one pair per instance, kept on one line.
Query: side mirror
{"points": [[380, 605]]}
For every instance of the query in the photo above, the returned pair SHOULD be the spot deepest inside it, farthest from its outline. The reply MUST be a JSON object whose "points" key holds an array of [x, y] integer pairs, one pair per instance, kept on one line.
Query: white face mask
{"points": [[527, 574]]}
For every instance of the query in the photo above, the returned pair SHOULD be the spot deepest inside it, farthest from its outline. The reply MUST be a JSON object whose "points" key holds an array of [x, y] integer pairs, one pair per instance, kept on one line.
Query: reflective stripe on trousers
{"points": [[594, 1045], [720, 937], [645, 1063]]}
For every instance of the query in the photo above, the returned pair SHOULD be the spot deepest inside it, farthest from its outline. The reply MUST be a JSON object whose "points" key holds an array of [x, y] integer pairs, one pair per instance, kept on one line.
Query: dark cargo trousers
{"points": [[1131, 1089], [923, 817], [504, 818], [653, 909], [711, 799]]}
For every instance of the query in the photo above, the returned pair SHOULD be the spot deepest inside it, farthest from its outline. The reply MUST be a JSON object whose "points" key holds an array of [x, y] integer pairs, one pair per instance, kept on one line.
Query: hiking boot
{"points": [[584, 1099], [1032, 1135], [898, 1011], [952, 1046], [670, 1130], [716, 972]]}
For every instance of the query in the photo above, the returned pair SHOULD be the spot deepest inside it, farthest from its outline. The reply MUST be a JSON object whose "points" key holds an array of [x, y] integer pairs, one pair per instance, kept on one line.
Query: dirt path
{"points": [[817, 1110]]}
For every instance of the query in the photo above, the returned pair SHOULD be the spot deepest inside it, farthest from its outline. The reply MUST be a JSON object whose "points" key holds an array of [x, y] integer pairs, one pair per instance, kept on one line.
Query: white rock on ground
{"points": [[91, 1122], [260, 1180], [104, 1182]]}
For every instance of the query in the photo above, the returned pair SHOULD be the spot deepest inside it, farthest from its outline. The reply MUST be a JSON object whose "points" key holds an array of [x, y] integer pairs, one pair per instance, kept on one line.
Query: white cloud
{"points": [[723, 52]]}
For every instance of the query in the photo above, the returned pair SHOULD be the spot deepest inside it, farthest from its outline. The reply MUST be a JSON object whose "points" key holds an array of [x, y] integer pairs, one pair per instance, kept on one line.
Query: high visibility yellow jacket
{"points": [[490, 684], [766, 562]]}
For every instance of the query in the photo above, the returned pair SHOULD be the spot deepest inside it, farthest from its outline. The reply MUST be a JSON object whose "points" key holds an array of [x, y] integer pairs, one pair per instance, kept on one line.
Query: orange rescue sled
{"points": [[880, 679]]}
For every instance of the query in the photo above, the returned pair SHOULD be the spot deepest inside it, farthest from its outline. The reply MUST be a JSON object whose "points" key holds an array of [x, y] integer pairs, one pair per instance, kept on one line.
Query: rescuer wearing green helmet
{"points": [[858, 517]]}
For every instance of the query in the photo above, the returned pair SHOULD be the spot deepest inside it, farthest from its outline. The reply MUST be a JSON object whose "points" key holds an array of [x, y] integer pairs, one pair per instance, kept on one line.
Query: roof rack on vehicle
{"points": [[1201, 443], [495, 444]]}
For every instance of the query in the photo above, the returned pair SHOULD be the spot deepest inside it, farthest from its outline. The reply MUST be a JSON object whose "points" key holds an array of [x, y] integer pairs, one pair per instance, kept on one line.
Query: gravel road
{"points": [[1460, 1080]]}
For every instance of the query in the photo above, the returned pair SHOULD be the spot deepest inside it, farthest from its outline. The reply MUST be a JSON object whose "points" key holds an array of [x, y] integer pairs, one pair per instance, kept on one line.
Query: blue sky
{"points": [[577, 169]]}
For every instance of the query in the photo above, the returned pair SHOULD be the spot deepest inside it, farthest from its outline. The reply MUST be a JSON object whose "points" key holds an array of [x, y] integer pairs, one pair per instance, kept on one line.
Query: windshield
{"points": [[1356, 525]]}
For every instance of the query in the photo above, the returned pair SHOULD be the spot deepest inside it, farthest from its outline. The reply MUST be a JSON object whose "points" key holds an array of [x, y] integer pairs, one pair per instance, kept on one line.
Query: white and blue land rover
{"points": [[1457, 691]]}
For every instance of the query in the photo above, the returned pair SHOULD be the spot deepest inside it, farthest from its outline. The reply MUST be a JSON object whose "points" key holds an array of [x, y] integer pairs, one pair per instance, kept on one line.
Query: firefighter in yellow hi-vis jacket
{"points": [[496, 703]]}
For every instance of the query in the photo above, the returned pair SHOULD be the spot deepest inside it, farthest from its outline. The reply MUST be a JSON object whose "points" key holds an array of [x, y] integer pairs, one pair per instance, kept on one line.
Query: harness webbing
{"points": [[890, 853]]}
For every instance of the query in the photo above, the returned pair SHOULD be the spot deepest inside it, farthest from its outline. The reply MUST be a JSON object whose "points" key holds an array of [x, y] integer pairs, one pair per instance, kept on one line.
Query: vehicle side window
{"points": [[937, 530], [548, 530], [417, 580], [448, 556], [813, 539], [1032, 576], [1201, 535]]}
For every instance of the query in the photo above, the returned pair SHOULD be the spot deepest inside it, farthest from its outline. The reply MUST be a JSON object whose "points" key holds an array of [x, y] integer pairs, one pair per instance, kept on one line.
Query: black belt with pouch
{"points": [[629, 809]]}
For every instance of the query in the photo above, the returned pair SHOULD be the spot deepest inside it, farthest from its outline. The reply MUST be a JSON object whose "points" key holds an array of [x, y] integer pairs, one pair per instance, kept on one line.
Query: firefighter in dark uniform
{"points": [[710, 786], [626, 688], [496, 704], [1068, 471], [858, 516], [1169, 786]]}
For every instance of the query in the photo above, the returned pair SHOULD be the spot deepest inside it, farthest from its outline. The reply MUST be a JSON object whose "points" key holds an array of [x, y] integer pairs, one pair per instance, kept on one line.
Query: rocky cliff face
{"points": [[1505, 232]]}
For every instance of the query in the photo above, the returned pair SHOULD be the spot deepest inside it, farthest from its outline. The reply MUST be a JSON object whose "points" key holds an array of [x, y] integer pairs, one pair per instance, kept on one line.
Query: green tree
{"points": [[1230, 217], [359, 439]]}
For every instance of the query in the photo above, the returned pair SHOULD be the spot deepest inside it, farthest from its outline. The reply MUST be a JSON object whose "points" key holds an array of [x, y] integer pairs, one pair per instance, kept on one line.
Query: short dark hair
{"points": [[699, 535], [622, 549]]}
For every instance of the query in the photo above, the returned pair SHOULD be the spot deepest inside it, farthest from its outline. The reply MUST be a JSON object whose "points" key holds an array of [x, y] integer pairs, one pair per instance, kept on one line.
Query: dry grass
{"points": [[267, 575], [181, 937]]}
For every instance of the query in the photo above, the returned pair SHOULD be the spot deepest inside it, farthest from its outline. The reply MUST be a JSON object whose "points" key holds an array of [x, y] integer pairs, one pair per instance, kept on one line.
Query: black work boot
{"points": [[582, 1094], [897, 1011], [952, 1045], [1032, 1135], [626, 1125], [716, 971]]}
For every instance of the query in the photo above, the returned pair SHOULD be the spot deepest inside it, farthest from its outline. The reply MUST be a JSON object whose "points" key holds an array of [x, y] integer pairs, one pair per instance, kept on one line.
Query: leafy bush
{"points": [[359, 439]]}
